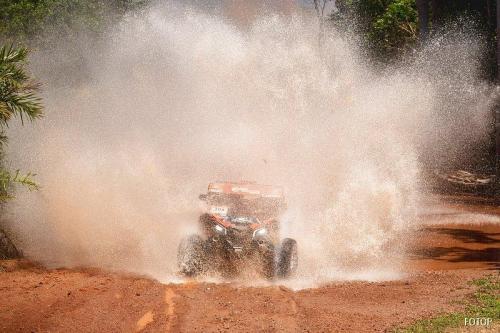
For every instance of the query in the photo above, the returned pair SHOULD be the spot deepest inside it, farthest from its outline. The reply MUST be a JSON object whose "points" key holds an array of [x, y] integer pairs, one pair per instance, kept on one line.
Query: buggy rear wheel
{"points": [[288, 258]]}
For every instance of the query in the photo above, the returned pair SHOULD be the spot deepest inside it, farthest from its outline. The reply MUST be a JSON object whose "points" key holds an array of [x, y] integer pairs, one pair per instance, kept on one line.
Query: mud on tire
{"points": [[288, 258], [190, 255], [268, 264]]}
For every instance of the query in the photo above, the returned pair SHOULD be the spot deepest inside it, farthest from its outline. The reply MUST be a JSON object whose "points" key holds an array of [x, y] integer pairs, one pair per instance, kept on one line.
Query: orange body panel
{"points": [[246, 189]]}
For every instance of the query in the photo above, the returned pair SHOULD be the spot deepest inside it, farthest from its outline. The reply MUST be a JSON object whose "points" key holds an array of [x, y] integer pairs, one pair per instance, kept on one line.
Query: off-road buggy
{"points": [[240, 227]]}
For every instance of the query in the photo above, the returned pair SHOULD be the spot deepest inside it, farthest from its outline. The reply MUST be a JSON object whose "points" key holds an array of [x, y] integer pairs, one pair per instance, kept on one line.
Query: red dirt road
{"points": [[36, 300], [442, 259]]}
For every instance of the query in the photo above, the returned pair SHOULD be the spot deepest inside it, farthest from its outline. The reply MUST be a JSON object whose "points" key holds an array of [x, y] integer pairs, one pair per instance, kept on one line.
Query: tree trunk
{"points": [[497, 110], [436, 13], [423, 19], [490, 12], [7, 249]]}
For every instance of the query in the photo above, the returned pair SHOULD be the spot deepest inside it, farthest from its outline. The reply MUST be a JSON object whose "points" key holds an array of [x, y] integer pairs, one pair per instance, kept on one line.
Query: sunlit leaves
{"points": [[7, 179], [396, 28], [18, 98], [17, 93]]}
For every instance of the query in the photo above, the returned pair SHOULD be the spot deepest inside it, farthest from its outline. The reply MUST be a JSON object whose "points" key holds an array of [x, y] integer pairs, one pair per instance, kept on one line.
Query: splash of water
{"points": [[178, 98]]}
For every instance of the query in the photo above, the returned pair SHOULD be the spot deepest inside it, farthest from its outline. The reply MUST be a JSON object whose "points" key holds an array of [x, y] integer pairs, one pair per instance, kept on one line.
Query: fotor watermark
{"points": [[479, 321]]}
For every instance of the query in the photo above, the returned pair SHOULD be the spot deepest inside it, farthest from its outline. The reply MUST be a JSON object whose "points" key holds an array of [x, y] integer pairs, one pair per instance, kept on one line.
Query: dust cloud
{"points": [[177, 97]]}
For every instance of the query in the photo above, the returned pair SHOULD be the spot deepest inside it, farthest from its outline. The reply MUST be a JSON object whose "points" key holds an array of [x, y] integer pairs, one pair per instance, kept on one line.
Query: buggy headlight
{"points": [[220, 229], [260, 232]]}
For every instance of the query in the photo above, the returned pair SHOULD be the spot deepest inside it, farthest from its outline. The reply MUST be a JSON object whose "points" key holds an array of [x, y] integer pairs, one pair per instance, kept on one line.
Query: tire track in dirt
{"points": [[170, 308], [229, 307], [109, 303], [144, 321]]}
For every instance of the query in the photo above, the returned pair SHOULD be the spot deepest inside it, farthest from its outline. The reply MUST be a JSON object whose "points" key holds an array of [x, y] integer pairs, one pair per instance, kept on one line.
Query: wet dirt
{"points": [[447, 252]]}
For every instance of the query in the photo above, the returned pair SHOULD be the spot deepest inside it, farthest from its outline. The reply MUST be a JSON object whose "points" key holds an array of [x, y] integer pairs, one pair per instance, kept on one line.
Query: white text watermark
{"points": [[479, 321]]}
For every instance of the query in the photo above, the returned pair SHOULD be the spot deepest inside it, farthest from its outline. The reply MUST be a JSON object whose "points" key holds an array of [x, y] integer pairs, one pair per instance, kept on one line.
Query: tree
{"points": [[396, 29], [17, 91], [18, 98], [388, 27], [25, 21], [423, 18], [60, 26], [319, 7]]}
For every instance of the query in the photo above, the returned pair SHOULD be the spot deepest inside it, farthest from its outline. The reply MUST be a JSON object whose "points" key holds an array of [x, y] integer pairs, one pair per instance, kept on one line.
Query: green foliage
{"points": [[485, 304], [396, 29], [17, 98], [17, 91], [63, 28], [388, 26], [7, 179], [24, 20]]}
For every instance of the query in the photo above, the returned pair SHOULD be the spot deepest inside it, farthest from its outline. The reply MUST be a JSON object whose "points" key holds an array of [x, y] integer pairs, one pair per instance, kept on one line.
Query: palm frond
{"points": [[7, 180], [17, 98], [9, 54], [17, 92], [25, 180], [3, 141], [22, 103]]}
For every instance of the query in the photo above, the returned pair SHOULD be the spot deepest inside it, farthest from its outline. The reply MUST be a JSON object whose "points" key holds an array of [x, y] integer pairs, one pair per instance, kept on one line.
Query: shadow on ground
{"points": [[462, 246]]}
